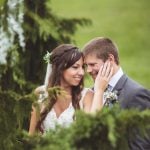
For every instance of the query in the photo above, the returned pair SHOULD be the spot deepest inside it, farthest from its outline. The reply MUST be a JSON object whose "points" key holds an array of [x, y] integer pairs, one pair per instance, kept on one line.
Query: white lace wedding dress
{"points": [[64, 119]]}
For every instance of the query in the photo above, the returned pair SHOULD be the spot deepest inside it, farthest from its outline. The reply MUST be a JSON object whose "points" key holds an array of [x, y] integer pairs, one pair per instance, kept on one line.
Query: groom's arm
{"points": [[140, 99]]}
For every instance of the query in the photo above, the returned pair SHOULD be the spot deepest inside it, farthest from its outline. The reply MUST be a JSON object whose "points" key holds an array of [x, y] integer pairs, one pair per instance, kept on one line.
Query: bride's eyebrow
{"points": [[76, 64]]}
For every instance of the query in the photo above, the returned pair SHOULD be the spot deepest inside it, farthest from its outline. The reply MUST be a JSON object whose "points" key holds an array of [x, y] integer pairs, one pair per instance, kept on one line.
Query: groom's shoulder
{"points": [[131, 82], [129, 85], [134, 86]]}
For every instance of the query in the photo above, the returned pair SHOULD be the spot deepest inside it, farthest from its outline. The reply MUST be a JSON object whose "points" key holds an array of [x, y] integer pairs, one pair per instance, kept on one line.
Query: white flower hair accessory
{"points": [[47, 57], [110, 98]]}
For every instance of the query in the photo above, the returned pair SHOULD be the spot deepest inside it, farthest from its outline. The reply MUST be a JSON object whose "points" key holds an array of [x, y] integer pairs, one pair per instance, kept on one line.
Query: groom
{"points": [[130, 93]]}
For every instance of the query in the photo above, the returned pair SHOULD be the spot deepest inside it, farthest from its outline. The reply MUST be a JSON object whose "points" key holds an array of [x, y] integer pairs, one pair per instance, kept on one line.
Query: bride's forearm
{"points": [[97, 101], [33, 122]]}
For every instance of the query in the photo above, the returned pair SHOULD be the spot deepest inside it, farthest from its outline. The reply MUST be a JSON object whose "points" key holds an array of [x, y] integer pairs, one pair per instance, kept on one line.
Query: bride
{"points": [[67, 72]]}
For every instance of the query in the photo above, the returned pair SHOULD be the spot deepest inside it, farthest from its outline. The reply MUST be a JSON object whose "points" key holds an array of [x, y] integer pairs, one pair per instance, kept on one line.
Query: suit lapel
{"points": [[120, 84]]}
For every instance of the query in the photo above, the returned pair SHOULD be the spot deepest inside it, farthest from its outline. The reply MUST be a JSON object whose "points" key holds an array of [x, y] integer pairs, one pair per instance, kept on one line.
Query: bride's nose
{"points": [[81, 71]]}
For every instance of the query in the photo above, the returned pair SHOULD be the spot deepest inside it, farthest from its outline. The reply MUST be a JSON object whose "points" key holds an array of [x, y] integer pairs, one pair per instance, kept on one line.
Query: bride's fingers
{"points": [[110, 73], [107, 69], [104, 69]]}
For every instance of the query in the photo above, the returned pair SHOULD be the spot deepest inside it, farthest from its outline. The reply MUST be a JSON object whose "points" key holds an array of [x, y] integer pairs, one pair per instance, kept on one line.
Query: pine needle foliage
{"points": [[42, 30], [105, 130]]}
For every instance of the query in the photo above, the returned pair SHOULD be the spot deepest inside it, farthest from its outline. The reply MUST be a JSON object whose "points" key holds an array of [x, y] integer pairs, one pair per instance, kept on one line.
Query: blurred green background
{"points": [[125, 22]]}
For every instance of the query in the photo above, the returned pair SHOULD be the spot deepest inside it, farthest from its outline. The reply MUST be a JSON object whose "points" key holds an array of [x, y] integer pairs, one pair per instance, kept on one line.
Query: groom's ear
{"points": [[111, 58]]}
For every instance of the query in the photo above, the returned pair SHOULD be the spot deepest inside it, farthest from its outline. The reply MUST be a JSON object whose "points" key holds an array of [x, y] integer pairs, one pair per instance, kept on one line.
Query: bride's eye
{"points": [[75, 67]]}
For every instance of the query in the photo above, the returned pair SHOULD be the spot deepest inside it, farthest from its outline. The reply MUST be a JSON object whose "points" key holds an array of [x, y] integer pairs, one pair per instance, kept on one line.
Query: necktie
{"points": [[109, 88]]}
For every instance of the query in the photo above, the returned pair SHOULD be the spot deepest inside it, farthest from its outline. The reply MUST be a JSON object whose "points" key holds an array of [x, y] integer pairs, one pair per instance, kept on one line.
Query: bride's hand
{"points": [[103, 76]]}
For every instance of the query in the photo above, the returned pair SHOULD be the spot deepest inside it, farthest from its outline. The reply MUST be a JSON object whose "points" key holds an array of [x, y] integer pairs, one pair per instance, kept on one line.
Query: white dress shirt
{"points": [[115, 78]]}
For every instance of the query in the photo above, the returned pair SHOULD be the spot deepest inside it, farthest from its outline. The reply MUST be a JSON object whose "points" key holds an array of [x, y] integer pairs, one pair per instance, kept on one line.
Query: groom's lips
{"points": [[94, 76]]}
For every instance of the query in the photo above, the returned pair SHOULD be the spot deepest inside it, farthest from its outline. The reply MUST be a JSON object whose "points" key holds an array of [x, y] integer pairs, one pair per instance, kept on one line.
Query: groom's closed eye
{"points": [[84, 66], [91, 64]]}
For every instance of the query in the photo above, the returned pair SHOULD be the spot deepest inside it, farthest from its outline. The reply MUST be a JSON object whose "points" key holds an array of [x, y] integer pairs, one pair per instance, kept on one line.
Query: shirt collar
{"points": [[115, 78]]}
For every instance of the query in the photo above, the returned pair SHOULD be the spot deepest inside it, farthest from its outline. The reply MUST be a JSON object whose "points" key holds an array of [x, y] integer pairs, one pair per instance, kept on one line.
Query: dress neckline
{"points": [[59, 116]]}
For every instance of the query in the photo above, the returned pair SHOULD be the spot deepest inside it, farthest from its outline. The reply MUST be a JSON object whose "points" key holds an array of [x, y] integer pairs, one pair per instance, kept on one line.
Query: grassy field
{"points": [[127, 23]]}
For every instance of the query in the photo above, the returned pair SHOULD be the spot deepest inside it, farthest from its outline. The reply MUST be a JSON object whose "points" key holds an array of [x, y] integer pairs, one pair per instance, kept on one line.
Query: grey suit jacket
{"points": [[133, 95]]}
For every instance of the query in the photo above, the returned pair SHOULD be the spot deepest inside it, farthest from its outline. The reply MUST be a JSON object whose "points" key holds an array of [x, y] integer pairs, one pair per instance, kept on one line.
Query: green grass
{"points": [[126, 22]]}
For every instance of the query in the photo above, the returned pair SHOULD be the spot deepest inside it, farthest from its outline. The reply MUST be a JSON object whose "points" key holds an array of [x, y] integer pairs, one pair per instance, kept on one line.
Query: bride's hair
{"points": [[63, 57]]}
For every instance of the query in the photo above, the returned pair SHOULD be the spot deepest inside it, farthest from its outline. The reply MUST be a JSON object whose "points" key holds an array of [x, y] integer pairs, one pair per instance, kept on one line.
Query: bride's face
{"points": [[74, 74]]}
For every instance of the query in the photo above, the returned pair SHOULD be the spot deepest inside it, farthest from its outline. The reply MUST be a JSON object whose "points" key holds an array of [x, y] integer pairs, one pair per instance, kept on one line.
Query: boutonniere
{"points": [[110, 98]]}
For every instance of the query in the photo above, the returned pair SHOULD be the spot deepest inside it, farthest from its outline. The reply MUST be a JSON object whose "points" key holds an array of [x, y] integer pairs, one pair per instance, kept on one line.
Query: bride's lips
{"points": [[78, 78]]}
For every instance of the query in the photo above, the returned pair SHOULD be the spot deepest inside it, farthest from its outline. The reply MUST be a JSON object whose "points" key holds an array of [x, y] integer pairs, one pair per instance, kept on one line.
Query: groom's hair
{"points": [[102, 47]]}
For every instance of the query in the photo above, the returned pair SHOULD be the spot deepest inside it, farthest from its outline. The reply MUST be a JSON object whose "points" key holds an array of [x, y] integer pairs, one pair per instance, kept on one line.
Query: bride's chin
{"points": [[75, 84]]}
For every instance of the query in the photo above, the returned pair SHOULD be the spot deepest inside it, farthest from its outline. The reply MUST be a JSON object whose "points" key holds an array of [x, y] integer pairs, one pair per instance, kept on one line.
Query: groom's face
{"points": [[93, 64]]}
